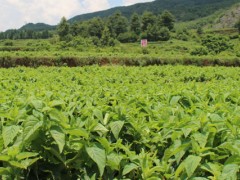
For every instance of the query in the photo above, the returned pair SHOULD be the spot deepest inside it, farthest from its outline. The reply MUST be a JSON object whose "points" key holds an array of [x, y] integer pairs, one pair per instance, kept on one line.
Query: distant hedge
{"points": [[7, 62]]}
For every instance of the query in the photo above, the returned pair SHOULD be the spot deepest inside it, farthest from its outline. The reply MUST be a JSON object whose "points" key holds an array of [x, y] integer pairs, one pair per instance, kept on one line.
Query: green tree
{"points": [[216, 44], [117, 24], [200, 30], [128, 37], [153, 32], [148, 18], [63, 28], [95, 27], [167, 20], [74, 29], [237, 25], [135, 24], [106, 37], [164, 34], [156, 34]]}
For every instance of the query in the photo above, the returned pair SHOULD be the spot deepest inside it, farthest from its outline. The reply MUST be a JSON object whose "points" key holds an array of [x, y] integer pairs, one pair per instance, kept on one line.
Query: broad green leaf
{"points": [[1, 143], [4, 158], [154, 178], [17, 164], [24, 155], [233, 160], [191, 164], [173, 151], [13, 151], [98, 155], [78, 132], [186, 131], [60, 117], [214, 169], [100, 129], [28, 162], [106, 119], [179, 170], [116, 127], [9, 133], [59, 136], [128, 168], [114, 160], [37, 104], [178, 155], [5, 171], [55, 103], [175, 100], [86, 177], [55, 153], [98, 114], [201, 139], [31, 127], [105, 144], [229, 172]]}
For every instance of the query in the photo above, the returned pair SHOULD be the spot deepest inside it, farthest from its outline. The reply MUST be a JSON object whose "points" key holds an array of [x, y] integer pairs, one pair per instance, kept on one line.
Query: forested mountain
{"points": [[183, 10], [37, 27]]}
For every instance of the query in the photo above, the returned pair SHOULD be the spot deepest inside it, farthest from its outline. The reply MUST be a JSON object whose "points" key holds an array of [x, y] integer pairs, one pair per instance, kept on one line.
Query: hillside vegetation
{"points": [[183, 10], [228, 19]]}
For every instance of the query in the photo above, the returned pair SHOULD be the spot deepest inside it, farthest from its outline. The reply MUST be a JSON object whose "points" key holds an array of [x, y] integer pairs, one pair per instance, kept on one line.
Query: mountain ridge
{"points": [[37, 27], [183, 10]]}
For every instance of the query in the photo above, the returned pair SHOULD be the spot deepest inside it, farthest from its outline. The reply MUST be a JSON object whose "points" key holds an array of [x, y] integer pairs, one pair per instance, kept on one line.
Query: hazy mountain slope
{"points": [[221, 19], [184, 10], [37, 27], [228, 19]]}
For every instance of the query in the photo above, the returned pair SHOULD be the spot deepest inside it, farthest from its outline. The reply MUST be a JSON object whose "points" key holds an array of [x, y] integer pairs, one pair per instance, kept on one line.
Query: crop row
{"points": [[75, 61]]}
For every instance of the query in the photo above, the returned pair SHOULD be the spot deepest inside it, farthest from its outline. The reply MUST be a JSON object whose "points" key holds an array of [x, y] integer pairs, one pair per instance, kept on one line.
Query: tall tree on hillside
{"points": [[96, 26], [148, 19], [117, 24], [135, 25], [63, 28], [167, 20]]}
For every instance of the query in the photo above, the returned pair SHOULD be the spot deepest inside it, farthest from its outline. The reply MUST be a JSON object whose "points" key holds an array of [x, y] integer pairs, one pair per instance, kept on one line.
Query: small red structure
{"points": [[144, 42]]}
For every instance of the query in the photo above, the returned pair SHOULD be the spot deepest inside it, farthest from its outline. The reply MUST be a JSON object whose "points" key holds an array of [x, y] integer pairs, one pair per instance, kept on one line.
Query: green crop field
{"points": [[112, 122]]}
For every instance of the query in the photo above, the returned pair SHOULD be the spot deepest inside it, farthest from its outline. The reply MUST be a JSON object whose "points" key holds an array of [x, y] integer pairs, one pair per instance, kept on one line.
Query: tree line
{"points": [[25, 34], [118, 27]]}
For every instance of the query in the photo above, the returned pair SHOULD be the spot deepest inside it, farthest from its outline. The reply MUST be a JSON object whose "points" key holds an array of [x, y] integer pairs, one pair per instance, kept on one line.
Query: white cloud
{"points": [[130, 2], [15, 13]]}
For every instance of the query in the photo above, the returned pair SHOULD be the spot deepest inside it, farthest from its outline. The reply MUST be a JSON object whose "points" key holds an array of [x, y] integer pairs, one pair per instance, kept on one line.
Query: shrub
{"points": [[8, 43], [127, 37], [200, 51], [182, 35], [164, 34], [96, 41], [216, 44], [145, 50]]}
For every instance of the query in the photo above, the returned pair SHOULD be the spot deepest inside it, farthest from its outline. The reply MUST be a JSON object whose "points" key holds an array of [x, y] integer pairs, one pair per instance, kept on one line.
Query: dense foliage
{"points": [[117, 26], [25, 34], [116, 122]]}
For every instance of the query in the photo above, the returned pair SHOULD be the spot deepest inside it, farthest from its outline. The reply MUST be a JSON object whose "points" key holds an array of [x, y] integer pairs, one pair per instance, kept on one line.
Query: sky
{"points": [[16, 13]]}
